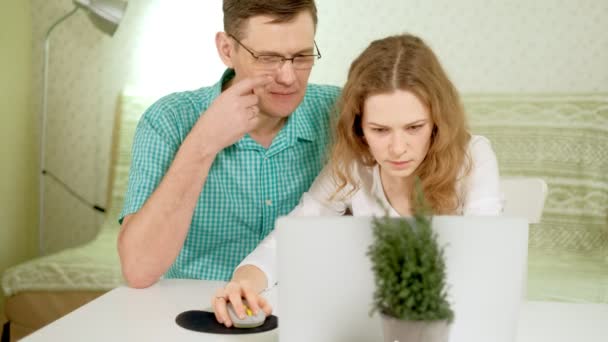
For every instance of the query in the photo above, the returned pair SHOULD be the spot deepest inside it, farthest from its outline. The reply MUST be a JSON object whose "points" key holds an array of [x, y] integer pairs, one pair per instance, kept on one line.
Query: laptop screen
{"points": [[326, 283]]}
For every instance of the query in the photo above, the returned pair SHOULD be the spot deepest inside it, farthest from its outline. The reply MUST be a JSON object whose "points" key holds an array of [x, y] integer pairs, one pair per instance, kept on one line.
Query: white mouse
{"points": [[250, 320]]}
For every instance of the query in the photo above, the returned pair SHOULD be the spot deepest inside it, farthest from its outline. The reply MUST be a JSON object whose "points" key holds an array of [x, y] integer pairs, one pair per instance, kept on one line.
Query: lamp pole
{"points": [[106, 16], [45, 86]]}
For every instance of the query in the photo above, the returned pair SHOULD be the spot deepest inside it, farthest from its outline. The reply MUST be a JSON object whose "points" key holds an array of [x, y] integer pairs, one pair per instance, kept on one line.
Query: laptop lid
{"points": [[326, 283]]}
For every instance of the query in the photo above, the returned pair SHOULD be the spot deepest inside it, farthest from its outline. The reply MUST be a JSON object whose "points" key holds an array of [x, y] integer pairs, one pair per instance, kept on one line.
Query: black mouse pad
{"points": [[204, 321]]}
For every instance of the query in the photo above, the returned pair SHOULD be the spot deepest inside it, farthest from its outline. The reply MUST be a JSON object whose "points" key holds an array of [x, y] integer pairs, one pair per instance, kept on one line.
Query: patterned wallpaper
{"points": [[485, 45], [168, 45]]}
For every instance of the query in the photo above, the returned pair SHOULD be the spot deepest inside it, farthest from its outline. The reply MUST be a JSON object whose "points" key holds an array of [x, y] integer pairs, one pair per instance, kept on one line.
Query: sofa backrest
{"points": [[130, 110], [562, 139]]}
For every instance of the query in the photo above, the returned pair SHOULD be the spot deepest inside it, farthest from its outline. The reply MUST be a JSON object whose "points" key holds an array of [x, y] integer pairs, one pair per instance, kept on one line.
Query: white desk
{"points": [[125, 314]]}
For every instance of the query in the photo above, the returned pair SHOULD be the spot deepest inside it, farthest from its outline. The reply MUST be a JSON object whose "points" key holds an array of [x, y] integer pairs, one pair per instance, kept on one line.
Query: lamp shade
{"points": [[105, 14]]}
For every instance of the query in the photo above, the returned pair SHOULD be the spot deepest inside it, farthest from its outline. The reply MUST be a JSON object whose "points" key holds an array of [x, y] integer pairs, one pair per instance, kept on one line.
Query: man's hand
{"points": [[231, 115]]}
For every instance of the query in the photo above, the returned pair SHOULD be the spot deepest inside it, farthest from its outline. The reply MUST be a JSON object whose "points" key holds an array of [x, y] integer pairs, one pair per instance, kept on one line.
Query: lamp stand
{"points": [[45, 85]]}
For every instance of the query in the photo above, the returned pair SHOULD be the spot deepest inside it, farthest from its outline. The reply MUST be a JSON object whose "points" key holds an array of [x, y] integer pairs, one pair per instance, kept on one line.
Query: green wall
{"points": [[18, 138]]}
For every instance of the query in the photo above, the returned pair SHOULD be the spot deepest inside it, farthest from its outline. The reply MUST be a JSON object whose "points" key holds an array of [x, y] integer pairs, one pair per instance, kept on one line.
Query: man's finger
{"points": [[252, 123], [247, 85], [253, 111], [249, 100]]}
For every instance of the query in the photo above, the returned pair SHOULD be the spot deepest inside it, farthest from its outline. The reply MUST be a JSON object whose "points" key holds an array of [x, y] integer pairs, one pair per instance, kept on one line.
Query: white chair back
{"points": [[524, 197]]}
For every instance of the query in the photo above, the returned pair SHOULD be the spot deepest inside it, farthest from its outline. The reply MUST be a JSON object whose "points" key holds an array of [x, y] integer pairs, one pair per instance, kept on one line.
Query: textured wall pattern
{"points": [[486, 46]]}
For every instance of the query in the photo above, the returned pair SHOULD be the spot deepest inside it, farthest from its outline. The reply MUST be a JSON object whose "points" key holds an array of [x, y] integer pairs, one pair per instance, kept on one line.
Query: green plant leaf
{"points": [[408, 266]]}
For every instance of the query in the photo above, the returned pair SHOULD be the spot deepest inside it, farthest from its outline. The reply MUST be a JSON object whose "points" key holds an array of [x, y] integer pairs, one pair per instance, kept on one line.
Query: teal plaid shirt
{"points": [[248, 186]]}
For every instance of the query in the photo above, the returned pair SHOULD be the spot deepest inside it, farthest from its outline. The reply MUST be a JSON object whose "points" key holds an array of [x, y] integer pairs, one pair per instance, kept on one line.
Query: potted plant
{"points": [[410, 279]]}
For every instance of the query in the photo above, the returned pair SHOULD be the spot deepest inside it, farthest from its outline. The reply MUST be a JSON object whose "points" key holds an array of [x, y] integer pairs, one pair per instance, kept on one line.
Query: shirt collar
{"points": [[378, 191], [302, 121], [298, 126]]}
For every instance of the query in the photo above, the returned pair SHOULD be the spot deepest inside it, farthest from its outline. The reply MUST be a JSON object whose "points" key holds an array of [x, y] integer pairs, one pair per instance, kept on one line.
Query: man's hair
{"points": [[237, 11]]}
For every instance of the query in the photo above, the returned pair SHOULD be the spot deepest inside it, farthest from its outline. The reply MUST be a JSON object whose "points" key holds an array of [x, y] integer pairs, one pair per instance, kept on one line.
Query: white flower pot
{"points": [[396, 330]]}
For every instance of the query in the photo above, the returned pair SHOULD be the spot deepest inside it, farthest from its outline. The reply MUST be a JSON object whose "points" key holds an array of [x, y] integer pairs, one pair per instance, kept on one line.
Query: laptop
{"points": [[326, 283]]}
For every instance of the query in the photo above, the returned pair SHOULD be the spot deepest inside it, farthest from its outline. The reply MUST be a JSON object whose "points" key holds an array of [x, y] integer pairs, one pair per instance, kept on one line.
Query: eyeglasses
{"points": [[273, 62]]}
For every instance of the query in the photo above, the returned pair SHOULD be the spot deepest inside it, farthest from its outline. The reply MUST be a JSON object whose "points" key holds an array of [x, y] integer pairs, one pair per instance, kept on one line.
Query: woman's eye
{"points": [[415, 128]]}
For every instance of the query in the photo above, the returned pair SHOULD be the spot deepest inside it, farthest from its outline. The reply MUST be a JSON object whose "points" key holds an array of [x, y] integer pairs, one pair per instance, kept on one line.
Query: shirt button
{"points": [[268, 202]]}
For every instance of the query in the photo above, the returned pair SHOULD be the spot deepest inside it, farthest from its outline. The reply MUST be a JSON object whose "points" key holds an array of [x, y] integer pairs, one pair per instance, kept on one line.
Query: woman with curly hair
{"points": [[400, 117]]}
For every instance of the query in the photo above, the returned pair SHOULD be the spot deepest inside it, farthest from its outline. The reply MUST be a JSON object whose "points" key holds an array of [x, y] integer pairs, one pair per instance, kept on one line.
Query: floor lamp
{"points": [[106, 16]]}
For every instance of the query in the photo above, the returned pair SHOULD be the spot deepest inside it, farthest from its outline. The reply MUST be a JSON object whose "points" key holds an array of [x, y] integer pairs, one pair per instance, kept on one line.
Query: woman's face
{"points": [[397, 128]]}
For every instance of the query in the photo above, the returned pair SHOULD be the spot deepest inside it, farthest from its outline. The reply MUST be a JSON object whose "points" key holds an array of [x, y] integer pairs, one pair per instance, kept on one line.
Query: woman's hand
{"points": [[234, 292]]}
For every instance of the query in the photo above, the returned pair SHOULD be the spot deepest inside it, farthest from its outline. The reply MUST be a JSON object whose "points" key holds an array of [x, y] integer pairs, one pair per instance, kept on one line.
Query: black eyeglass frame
{"points": [[283, 59]]}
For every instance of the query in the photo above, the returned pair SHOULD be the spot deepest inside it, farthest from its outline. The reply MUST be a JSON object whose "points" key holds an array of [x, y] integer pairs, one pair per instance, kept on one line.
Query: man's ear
{"points": [[224, 48]]}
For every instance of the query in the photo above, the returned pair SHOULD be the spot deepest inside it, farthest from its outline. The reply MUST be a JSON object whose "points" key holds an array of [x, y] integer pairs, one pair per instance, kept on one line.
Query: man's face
{"points": [[283, 95]]}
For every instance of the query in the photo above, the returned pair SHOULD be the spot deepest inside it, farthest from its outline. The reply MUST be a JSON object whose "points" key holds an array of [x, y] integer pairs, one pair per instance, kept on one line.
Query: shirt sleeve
{"points": [[152, 154], [483, 196], [318, 200], [315, 202]]}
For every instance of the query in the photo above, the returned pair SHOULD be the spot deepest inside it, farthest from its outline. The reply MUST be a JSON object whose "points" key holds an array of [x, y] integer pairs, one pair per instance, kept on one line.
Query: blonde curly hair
{"points": [[404, 62]]}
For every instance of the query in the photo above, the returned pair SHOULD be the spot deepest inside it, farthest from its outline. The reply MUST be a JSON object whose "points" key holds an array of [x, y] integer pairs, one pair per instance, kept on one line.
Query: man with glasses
{"points": [[213, 168]]}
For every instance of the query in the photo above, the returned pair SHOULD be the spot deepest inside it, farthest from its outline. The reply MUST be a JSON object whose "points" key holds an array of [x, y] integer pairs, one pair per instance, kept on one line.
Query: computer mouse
{"points": [[250, 320]]}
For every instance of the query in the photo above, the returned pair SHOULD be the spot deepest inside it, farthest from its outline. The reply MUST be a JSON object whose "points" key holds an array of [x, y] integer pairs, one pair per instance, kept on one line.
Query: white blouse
{"points": [[479, 195]]}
